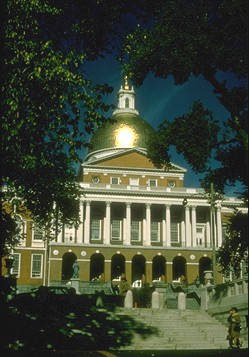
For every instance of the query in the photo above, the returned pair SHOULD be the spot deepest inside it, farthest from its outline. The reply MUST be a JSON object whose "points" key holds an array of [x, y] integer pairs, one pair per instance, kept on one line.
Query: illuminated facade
{"points": [[136, 219]]}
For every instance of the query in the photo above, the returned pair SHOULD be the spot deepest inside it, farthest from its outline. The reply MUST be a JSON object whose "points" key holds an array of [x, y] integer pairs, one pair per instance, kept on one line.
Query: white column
{"points": [[219, 226], [79, 233], [215, 227], [107, 224], [144, 231], [183, 234], [168, 226], [193, 220], [208, 234], [127, 237], [87, 223], [148, 224], [187, 227], [164, 232]]}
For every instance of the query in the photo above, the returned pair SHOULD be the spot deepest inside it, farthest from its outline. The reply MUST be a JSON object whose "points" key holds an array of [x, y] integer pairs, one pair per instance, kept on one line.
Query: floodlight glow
{"points": [[125, 137]]}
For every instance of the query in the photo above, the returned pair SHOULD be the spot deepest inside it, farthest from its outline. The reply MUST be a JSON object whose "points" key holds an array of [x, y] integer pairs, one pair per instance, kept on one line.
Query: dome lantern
{"points": [[126, 99], [128, 130]]}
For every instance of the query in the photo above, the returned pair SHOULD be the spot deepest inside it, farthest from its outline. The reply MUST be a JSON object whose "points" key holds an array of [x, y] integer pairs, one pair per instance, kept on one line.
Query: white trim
{"points": [[130, 171]]}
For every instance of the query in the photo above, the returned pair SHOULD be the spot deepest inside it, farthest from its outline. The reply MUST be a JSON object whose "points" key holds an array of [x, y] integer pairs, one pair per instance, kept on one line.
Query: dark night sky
{"points": [[159, 99]]}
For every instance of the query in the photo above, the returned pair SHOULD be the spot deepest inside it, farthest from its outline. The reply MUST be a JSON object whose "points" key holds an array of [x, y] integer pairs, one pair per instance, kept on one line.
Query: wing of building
{"points": [[136, 219]]}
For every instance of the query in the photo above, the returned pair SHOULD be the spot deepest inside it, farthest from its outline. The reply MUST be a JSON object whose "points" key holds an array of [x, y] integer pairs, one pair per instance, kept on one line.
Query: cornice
{"points": [[127, 171]]}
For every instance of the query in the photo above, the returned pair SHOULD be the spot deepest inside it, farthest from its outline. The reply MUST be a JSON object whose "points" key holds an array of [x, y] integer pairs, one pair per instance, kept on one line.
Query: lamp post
{"points": [[212, 229]]}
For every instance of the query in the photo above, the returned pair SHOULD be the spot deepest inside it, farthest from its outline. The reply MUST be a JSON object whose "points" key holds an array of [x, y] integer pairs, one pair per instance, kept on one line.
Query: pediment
{"points": [[128, 158]]}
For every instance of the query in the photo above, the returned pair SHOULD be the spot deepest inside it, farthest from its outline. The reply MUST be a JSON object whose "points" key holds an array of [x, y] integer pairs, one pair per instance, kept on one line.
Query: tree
{"points": [[200, 38], [234, 250], [49, 106], [208, 39]]}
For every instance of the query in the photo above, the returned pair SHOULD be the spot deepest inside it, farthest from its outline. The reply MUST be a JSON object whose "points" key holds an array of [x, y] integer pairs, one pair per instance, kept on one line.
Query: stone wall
{"points": [[218, 300]]}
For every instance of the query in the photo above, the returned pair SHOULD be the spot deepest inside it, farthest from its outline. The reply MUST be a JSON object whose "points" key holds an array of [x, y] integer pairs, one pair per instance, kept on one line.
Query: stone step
{"points": [[179, 330]]}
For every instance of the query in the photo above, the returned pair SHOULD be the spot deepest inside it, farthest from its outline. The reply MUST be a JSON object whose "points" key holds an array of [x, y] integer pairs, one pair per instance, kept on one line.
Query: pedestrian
{"points": [[124, 286], [234, 328]]}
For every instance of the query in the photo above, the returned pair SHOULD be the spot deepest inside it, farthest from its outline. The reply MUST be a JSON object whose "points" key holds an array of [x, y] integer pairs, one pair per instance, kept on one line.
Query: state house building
{"points": [[136, 219]]}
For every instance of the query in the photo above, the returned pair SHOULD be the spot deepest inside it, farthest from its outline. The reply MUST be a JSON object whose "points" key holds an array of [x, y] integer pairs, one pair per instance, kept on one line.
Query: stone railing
{"points": [[177, 190], [218, 300]]}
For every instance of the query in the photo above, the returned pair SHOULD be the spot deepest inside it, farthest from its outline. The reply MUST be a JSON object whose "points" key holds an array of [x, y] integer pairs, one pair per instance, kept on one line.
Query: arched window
{"points": [[127, 104]]}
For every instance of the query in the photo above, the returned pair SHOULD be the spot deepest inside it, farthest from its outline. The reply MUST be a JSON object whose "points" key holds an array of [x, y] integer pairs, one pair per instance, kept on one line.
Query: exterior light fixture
{"points": [[185, 202]]}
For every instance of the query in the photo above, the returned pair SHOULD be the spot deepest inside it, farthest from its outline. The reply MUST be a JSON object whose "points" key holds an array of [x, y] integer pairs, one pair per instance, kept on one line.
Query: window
{"points": [[95, 179], [135, 231], [22, 229], [116, 230], [171, 184], [200, 235], [36, 266], [69, 233], [152, 182], [126, 102], [155, 231], [16, 264], [95, 229], [134, 181], [114, 180], [38, 233], [175, 236]]}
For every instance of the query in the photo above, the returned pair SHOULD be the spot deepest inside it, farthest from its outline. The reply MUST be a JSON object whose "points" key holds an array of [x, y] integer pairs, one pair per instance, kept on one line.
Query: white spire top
{"points": [[126, 99]]}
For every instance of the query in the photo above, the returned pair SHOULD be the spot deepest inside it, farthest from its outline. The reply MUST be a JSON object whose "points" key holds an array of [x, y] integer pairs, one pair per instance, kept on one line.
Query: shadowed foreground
{"points": [[50, 323], [190, 353]]}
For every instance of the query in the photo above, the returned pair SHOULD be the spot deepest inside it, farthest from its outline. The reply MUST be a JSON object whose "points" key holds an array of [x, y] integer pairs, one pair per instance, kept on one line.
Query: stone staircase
{"points": [[178, 330]]}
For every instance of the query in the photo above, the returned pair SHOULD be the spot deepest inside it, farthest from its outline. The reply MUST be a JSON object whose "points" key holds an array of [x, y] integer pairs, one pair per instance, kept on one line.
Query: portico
{"points": [[136, 222]]}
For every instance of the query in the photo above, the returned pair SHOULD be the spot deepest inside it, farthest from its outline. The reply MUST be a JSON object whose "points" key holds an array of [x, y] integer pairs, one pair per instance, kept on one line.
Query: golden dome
{"points": [[127, 131]]}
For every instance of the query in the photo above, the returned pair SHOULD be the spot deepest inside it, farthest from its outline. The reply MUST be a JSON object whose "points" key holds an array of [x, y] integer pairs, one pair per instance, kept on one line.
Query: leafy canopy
{"points": [[208, 39], [49, 105]]}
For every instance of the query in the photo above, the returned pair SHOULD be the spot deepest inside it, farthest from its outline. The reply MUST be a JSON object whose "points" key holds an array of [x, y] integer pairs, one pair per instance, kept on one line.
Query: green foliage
{"points": [[49, 106], [9, 229], [234, 249], [200, 38], [197, 152]]}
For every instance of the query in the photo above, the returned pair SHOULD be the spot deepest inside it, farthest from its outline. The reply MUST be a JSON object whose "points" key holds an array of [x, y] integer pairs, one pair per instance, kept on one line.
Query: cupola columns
{"points": [[126, 99]]}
